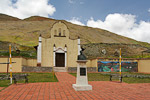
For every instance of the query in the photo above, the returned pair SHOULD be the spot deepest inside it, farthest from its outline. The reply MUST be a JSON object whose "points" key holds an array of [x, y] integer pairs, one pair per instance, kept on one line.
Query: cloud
{"points": [[26, 8], [76, 2], [75, 20], [81, 3], [123, 24], [149, 10], [71, 1]]}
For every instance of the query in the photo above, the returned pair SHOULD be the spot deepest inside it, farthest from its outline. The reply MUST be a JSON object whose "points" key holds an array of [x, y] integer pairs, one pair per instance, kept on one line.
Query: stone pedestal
{"points": [[82, 80]]}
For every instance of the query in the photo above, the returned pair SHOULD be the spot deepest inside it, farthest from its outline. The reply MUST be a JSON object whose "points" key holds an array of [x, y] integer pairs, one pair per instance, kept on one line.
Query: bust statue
{"points": [[81, 56]]}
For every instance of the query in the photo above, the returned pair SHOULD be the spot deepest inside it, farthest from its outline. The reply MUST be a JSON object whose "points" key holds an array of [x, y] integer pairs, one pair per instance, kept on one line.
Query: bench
{"points": [[4, 77], [18, 77], [115, 77]]}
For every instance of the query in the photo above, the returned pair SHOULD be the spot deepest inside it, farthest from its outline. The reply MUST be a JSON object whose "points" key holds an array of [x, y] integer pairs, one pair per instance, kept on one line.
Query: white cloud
{"points": [[76, 1], [124, 24], [75, 20], [71, 1], [26, 8], [149, 10], [81, 3]]}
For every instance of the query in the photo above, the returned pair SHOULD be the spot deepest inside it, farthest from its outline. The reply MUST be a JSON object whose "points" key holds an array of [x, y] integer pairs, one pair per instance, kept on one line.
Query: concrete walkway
{"points": [[102, 90]]}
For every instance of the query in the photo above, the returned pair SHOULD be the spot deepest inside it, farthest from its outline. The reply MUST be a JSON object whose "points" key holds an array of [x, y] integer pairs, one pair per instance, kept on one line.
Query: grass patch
{"points": [[136, 80], [41, 77], [102, 77], [4, 83], [27, 54], [32, 78]]}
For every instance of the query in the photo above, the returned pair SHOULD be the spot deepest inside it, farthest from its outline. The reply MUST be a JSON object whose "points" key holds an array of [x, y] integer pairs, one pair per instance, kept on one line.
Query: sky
{"points": [[130, 18]]}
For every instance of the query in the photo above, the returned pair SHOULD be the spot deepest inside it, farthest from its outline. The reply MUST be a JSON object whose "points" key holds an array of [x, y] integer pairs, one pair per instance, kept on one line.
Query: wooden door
{"points": [[60, 59]]}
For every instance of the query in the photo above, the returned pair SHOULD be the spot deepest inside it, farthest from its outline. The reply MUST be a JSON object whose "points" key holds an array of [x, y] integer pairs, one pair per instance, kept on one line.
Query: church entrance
{"points": [[60, 60]]}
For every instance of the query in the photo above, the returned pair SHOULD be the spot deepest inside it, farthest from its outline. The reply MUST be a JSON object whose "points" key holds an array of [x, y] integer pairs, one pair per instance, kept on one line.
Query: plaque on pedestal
{"points": [[82, 71], [82, 80]]}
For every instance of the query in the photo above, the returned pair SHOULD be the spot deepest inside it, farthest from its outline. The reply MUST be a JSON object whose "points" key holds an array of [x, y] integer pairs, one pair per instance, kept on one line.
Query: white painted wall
{"points": [[65, 56], [79, 46], [39, 50]]}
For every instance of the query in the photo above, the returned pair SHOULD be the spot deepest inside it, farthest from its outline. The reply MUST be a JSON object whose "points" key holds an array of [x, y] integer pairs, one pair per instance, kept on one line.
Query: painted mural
{"points": [[113, 66]]}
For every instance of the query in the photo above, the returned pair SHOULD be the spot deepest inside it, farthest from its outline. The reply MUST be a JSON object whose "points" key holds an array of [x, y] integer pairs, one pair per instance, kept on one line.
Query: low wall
{"points": [[18, 63], [29, 62], [91, 63], [144, 66], [36, 69], [72, 69], [16, 67], [89, 69]]}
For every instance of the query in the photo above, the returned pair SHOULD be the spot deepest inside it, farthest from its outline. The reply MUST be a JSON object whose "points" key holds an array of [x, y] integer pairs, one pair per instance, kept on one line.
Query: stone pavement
{"points": [[102, 90], [1, 88]]}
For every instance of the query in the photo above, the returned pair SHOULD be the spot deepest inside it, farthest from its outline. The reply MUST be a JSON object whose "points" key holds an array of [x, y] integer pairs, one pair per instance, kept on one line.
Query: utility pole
{"points": [[10, 64], [120, 66], [7, 65]]}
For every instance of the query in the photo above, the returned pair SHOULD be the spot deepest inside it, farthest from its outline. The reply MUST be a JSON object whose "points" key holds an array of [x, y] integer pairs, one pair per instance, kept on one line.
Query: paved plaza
{"points": [[62, 90], [1, 88]]}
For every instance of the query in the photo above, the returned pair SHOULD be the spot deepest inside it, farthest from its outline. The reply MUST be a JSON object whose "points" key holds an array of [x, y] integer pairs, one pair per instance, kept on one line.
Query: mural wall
{"points": [[113, 66]]}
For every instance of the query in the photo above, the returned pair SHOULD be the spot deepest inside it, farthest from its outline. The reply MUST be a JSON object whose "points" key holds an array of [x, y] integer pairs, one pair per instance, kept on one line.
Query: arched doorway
{"points": [[60, 59]]}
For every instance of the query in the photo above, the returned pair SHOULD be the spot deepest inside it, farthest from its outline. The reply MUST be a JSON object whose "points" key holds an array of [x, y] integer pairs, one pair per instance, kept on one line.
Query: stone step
{"points": [[60, 69]]}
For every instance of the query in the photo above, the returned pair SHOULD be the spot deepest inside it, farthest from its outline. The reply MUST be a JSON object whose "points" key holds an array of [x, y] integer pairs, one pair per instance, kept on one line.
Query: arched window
{"points": [[55, 32], [63, 32], [59, 31]]}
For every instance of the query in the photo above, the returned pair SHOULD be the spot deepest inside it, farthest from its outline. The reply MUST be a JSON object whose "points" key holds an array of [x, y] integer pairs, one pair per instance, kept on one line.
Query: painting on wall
{"points": [[113, 66]]}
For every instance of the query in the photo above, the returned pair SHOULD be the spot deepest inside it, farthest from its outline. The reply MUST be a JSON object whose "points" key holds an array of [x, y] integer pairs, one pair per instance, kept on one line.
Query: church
{"points": [[58, 51]]}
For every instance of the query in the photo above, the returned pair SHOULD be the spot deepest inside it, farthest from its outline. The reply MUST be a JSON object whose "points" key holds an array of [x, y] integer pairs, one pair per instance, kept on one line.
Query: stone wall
{"points": [[72, 69], [89, 69], [36, 69]]}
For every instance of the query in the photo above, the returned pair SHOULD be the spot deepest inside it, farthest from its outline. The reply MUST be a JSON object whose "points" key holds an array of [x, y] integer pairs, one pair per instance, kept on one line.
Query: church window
{"points": [[59, 31], [63, 32], [55, 32]]}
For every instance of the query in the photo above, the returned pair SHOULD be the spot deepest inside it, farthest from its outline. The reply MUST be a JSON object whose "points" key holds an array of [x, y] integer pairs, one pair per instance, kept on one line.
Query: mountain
{"points": [[4, 45], [38, 18], [26, 32], [4, 17]]}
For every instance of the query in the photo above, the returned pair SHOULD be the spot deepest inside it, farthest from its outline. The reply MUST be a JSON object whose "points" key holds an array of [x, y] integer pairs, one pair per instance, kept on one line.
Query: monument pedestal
{"points": [[82, 87], [82, 80]]}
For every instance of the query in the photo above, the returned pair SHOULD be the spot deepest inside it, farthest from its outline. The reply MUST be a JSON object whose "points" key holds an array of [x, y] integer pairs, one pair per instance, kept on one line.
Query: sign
{"points": [[82, 71]]}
